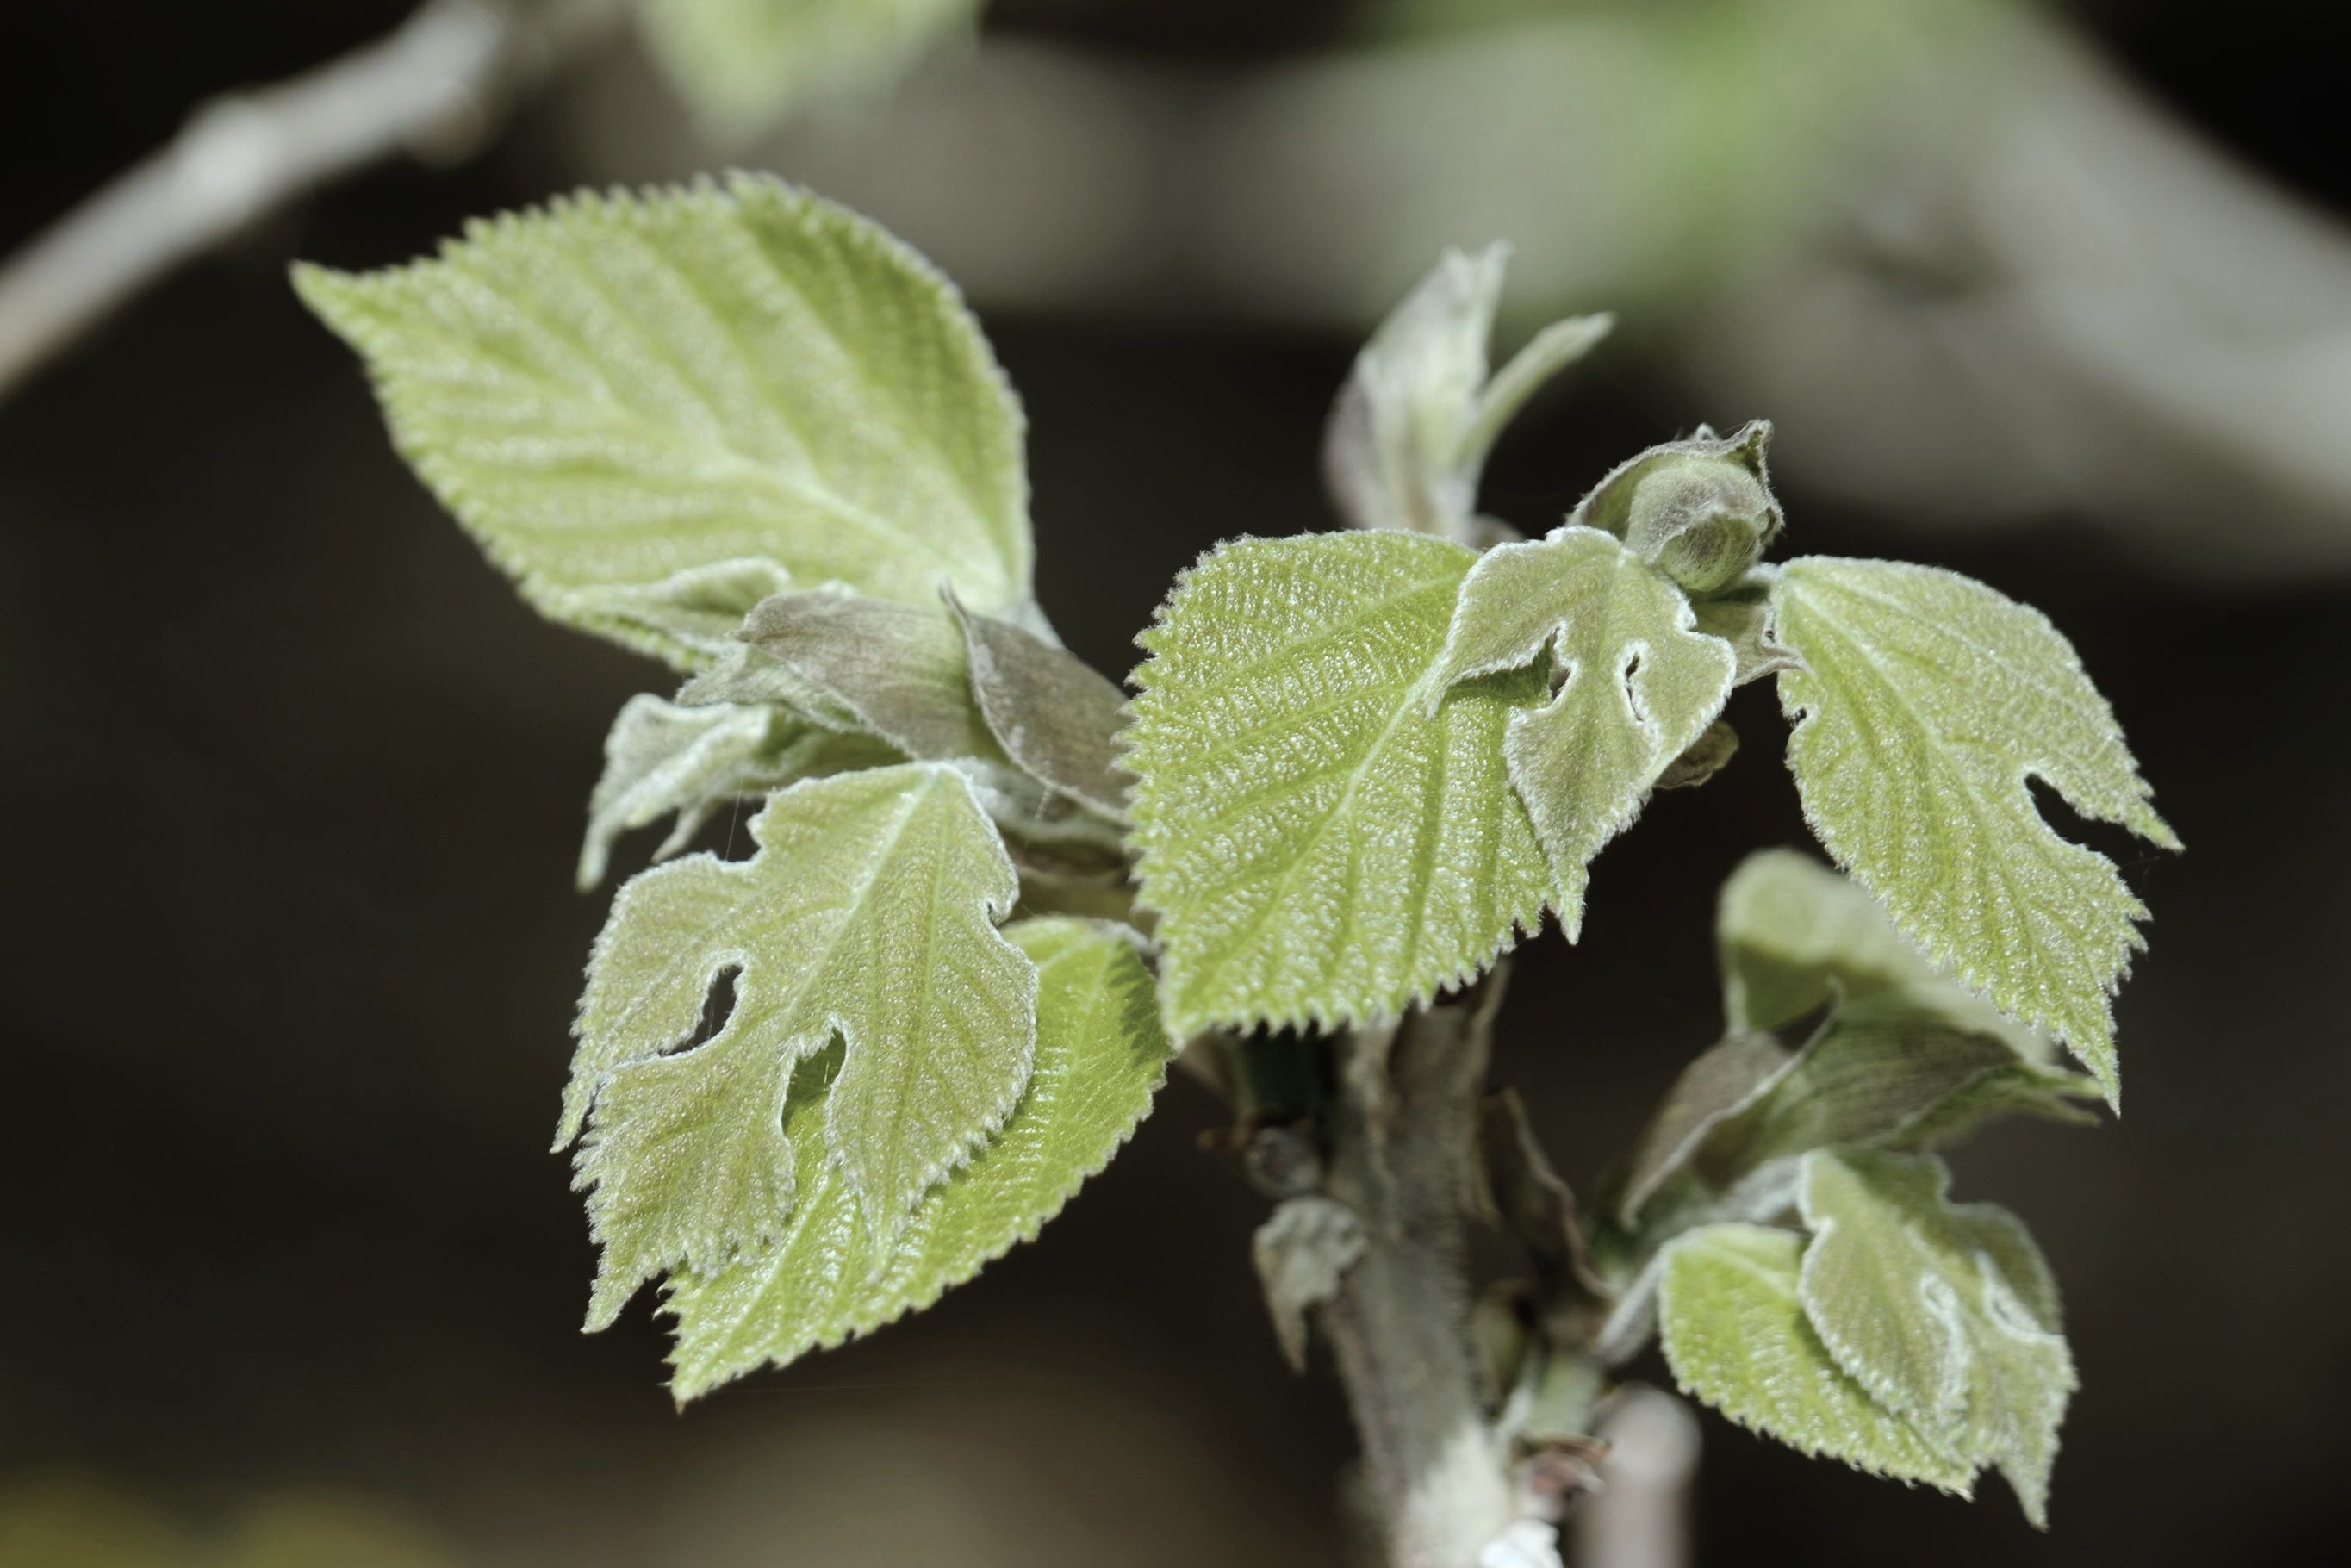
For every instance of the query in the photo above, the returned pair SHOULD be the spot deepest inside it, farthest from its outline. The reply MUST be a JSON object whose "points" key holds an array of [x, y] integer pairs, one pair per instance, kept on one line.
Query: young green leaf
{"points": [[1721, 1083], [741, 63], [1874, 1044], [1100, 1058], [1050, 709], [1894, 1084], [868, 911], [1641, 685], [1927, 702], [620, 388], [1944, 1311], [1415, 421], [1321, 846], [1736, 1336], [661, 757]]}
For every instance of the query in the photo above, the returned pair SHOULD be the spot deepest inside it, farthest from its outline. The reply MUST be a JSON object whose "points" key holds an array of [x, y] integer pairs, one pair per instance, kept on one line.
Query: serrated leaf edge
{"points": [[323, 288]]}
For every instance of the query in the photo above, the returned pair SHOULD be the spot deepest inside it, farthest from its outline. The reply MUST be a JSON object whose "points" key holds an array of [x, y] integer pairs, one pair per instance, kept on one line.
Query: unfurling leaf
{"points": [[1640, 684], [1707, 756], [1914, 1057], [869, 912], [695, 611], [1321, 845], [1901, 1085], [1944, 1311], [1723, 1082], [619, 389], [1303, 1253], [1415, 421], [1100, 1057], [898, 668], [1736, 1336], [1840, 1032], [661, 757], [1050, 709], [741, 63], [1700, 510], [1742, 616], [1927, 702]]}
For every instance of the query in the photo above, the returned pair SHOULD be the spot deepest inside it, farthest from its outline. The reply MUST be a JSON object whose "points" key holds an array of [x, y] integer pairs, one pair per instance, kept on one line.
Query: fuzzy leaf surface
{"points": [[1641, 685], [1409, 435], [898, 668], [1735, 1335], [1100, 1058], [1321, 846], [620, 388], [661, 757], [1052, 713], [741, 63], [1724, 1080], [693, 612], [1742, 615], [1903, 1086], [1928, 702], [1840, 1032], [1944, 1311], [868, 913]]}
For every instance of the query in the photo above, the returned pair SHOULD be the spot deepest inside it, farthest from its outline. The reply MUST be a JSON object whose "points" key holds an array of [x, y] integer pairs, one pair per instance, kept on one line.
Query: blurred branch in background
{"points": [[436, 88], [1972, 274]]}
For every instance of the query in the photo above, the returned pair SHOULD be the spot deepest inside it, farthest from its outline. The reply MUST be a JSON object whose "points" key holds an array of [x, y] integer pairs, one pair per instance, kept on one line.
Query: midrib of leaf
{"points": [[798, 1009], [712, 448], [775, 278], [909, 422], [2025, 676], [1297, 783], [1997, 870], [714, 436], [1336, 632], [1338, 812]]}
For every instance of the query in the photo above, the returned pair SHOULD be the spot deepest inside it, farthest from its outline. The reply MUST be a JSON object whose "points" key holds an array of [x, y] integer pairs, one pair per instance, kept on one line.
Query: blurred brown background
{"points": [[289, 948]]}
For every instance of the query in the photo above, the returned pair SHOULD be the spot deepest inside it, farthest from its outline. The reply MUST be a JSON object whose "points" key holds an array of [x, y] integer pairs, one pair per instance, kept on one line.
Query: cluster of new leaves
{"points": [[747, 431], [1786, 1220], [1370, 760]]}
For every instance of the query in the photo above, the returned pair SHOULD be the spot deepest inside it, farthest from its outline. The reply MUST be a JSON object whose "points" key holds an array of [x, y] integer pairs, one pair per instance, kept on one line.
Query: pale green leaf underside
{"points": [[1896, 1084], [1321, 847], [1928, 701], [1640, 684], [1737, 1337], [1944, 1311], [1100, 1057], [620, 388], [869, 912], [742, 62], [1788, 929], [661, 758]]}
